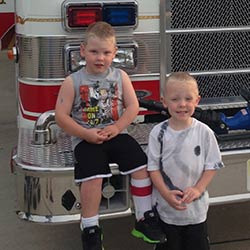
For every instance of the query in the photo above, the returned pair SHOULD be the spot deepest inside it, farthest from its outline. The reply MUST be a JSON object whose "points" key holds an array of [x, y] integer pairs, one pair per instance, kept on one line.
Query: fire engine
{"points": [[7, 27], [209, 39]]}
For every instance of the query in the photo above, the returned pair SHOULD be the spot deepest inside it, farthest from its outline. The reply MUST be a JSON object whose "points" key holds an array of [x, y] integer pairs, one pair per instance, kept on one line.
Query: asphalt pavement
{"points": [[229, 225]]}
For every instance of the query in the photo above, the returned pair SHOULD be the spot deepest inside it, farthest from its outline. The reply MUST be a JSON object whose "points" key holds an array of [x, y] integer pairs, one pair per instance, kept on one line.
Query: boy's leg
{"points": [[196, 237], [174, 237], [147, 223], [141, 191], [90, 194], [91, 165]]}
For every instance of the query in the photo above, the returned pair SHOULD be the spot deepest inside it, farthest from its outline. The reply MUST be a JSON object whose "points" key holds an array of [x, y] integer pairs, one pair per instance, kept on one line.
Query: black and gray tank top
{"points": [[98, 98]]}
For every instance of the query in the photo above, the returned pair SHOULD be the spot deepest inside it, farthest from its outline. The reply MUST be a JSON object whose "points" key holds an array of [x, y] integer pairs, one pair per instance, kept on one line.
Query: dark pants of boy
{"points": [[190, 237]]}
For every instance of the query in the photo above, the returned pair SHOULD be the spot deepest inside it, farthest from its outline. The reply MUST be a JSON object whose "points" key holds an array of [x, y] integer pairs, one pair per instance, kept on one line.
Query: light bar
{"points": [[80, 14]]}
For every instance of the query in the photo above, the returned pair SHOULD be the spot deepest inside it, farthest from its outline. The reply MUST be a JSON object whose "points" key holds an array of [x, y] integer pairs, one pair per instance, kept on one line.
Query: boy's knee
{"points": [[140, 174], [92, 183]]}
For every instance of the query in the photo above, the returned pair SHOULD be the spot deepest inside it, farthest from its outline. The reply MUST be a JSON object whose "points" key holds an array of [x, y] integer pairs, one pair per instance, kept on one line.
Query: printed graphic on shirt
{"points": [[99, 103], [197, 150]]}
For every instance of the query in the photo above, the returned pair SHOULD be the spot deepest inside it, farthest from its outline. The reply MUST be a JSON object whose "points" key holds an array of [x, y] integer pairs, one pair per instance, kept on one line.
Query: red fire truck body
{"points": [[7, 27]]}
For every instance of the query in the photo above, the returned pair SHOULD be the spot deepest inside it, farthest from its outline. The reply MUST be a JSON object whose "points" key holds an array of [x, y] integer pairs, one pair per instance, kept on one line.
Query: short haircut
{"points": [[180, 77], [101, 30]]}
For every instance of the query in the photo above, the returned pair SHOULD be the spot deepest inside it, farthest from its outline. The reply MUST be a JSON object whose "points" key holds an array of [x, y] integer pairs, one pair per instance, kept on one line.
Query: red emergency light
{"points": [[83, 16]]}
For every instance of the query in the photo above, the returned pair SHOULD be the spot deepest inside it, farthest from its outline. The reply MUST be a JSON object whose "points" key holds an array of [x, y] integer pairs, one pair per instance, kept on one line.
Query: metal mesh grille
{"points": [[221, 56], [222, 85], [210, 51], [210, 13]]}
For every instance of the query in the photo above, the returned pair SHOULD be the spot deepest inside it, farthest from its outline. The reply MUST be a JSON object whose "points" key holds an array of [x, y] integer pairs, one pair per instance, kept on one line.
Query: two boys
{"points": [[95, 105]]}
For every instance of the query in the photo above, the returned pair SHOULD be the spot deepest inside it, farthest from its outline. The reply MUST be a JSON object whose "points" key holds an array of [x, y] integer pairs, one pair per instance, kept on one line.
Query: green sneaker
{"points": [[149, 228]]}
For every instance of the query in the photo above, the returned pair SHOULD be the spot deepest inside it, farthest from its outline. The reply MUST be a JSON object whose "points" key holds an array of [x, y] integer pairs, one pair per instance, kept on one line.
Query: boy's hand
{"points": [[174, 199], [95, 136], [190, 194], [110, 131]]}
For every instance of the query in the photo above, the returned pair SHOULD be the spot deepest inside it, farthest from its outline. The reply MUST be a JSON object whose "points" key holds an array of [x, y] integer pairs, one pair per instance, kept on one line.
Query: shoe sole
{"points": [[140, 235]]}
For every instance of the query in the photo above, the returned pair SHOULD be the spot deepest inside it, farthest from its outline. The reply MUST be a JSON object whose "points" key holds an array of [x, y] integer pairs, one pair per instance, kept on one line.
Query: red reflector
{"points": [[83, 16]]}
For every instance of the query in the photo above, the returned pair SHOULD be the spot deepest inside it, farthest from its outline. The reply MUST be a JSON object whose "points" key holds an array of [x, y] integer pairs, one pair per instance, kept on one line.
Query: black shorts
{"points": [[92, 160], [189, 237]]}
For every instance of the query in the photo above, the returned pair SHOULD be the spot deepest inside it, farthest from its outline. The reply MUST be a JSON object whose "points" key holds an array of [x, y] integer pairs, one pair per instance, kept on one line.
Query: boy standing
{"points": [[183, 156], [95, 105]]}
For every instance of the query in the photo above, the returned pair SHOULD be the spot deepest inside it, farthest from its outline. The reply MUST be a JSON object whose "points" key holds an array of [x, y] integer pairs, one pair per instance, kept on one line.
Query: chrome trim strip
{"points": [[68, 218], [29, 80], [229, 199], [235, 152], [221, 72], [26, 167], [208, 30], [163, 44]]}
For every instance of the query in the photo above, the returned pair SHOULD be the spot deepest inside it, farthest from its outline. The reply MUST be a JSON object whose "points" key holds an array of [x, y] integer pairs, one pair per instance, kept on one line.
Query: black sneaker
{"points": [[92, 238], [149, 228]]}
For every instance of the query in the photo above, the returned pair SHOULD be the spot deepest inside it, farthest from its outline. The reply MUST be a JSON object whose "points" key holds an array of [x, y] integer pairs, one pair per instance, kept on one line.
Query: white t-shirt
{"points": [[185, 155]]}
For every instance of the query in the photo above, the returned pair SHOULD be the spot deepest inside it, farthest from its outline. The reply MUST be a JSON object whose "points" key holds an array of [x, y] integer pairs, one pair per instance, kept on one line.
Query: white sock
{"points": [[89, 222], [141, 190]]}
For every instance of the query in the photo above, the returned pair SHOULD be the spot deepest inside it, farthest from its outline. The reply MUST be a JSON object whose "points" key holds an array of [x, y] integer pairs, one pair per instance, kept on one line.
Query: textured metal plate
{"points": [[54, 155], [60, 153]]}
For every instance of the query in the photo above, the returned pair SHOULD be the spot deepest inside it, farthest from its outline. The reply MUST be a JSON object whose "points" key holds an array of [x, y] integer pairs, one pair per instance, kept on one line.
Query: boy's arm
{"points": [[130, 102], [205, 179], [131, 109], [171, 196], [193, 193], [64, 104]]}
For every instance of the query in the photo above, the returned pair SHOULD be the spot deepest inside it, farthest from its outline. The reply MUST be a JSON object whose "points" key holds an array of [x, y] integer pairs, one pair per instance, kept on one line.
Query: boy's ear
{"points": [[198, 100], [82, 50], [115, 51], [163, 102]]}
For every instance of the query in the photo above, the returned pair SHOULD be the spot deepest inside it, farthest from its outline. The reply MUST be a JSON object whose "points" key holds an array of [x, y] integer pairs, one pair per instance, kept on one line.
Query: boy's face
{"points": [[181, 99], [98, 54]]}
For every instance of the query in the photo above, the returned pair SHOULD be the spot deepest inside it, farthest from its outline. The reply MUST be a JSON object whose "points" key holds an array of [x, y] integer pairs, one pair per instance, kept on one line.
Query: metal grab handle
{"points": [[42, 131]]}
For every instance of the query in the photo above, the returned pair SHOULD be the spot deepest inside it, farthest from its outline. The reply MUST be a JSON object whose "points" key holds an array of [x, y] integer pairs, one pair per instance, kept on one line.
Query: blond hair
{"points": [[102, 30], [181, 77]]}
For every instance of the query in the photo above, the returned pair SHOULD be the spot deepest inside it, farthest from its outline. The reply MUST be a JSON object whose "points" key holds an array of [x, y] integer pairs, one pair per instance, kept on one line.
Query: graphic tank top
{"points": [[98, 98]]}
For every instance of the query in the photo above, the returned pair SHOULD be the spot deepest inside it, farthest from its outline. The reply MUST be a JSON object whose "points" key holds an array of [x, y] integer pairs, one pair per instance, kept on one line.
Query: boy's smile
{"points": [[181, 100]]}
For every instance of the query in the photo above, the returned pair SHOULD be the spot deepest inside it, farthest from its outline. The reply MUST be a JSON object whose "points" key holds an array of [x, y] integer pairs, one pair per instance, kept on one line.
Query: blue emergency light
{"points": [[120, 15]]}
